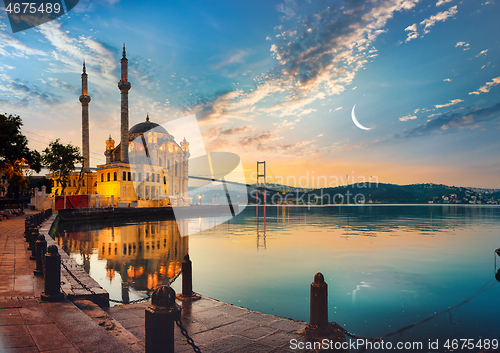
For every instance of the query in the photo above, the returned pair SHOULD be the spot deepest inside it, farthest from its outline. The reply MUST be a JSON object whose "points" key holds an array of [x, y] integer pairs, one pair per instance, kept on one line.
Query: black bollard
{"points": [[187, 281], [160, 317], [29, 237], [26, 227], [41, 249], [52, 275], [187, 277], [33, 239], [318, 325]]}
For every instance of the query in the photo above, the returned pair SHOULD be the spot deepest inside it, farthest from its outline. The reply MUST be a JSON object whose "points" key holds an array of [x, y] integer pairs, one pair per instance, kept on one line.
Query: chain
{"points": [[113, 300], [188, 338]]}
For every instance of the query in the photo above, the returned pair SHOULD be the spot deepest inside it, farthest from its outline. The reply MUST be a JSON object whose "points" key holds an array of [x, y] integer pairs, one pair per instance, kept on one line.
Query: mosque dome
{"points": [[145, 126]]}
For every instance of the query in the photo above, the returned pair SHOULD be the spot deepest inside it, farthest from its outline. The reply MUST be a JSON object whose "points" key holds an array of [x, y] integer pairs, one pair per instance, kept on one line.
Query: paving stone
{"points": [[34, 315], [275, 340], [57, 340], [257, 332], [13, 330], [227, 344], [17, 341]]}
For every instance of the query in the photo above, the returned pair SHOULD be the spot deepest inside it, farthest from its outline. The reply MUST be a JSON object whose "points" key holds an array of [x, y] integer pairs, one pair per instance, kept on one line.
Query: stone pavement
{"points": [[28, 324], [219, 327]]}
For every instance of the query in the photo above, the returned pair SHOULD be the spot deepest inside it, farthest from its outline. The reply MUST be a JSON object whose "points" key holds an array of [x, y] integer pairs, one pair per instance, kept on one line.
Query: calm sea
{"points": [[387, 267]]}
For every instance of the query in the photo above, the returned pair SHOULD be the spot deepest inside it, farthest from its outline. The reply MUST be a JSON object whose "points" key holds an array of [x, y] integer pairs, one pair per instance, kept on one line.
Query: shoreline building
{"points": [[152, 170]]}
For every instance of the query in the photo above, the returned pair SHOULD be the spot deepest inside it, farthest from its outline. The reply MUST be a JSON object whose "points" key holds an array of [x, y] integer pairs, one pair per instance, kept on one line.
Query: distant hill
{"points": [[385, 193]]}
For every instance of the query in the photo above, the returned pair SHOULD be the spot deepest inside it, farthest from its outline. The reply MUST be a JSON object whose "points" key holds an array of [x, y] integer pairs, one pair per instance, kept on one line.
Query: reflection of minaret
{"points": [[124, 87], [85, 100]]}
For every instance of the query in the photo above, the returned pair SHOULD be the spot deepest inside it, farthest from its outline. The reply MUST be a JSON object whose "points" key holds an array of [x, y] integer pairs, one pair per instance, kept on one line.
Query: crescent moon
{"points": [[356, 122]]}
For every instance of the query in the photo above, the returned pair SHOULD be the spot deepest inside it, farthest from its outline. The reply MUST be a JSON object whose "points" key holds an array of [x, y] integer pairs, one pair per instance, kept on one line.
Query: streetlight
{"points": [[199, 198]]}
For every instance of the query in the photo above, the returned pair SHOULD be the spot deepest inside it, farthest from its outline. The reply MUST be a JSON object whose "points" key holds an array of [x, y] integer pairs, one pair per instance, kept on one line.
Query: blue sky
{"points": [[276, 81]]}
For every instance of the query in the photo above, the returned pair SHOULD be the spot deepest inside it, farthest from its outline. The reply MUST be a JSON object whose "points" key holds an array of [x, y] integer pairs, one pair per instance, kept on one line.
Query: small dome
{"points": [[145, 126]]}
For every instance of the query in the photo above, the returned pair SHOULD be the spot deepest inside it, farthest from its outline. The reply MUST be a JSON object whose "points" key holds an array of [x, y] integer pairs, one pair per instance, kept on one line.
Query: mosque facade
{"points": [[151, 170]]}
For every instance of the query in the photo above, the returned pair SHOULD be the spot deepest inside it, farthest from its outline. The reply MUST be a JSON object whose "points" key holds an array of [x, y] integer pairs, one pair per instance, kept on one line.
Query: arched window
{"points": [[152, 177], [160, 162], [74, 183], [115, 176], [140, 176], [147, 176], [176, 165], [108, 177], [165, 180], [95, 184], [129, 176], [124, 176], [133, 176], [168, 163], [157, 178], [102, 177], [83, 182]]}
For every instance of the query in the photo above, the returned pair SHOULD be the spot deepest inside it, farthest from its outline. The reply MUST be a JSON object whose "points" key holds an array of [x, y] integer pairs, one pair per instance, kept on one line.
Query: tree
{"points": [[60, 160], [16, 159]]}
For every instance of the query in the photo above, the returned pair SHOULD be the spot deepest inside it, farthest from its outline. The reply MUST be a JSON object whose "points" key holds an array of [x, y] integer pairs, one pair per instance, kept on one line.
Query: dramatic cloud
{"points": [[452, 102], [453, 121], [486, 88]]}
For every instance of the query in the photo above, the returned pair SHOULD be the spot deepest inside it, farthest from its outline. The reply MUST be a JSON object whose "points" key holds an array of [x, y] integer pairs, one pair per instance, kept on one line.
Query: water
{"points": [[387, 267]]}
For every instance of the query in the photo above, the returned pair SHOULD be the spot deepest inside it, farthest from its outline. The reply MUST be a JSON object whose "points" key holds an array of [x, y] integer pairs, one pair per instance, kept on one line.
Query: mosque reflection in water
{"points": [[145, 254]]}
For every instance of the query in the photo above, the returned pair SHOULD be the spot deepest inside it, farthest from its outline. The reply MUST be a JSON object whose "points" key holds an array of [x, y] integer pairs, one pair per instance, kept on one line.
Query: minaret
{"points": [[124, 87], [85, 100]]}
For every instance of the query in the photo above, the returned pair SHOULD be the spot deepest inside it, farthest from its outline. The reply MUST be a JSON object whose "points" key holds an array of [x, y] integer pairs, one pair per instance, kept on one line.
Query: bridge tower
{"points": [[259, 176]]}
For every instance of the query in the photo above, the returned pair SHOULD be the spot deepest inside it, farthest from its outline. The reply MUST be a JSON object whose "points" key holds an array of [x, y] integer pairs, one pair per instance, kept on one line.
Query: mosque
{"points": [[152, 170]]}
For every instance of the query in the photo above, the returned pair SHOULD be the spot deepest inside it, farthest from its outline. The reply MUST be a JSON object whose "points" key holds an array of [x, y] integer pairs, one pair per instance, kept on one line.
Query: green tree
{"points": [[16, 159], [60, 160]]}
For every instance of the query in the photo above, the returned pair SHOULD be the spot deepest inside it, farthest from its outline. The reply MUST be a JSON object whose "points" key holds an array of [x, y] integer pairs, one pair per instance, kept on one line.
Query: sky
{"points": [[277, 81]]}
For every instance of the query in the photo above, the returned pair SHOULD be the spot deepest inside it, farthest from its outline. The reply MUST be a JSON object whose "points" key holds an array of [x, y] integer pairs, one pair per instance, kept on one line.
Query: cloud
{"points": [[408, 117], [442, 2], [452, 102], [462, 44], [288, 8], [482, 52], [430, 22], [486, 88], [54, 82], [30, 96], [317, 56], [447, 80], [15, 46], [235, 58], [454, 121], [442, 16]]}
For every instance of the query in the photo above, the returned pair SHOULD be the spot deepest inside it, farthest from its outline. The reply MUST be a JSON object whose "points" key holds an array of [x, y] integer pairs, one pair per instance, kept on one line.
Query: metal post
{"points": [[31, 230], [34, 237], [41, 249], [160, 317], [187, 281], [52, 275], [318, 325]]}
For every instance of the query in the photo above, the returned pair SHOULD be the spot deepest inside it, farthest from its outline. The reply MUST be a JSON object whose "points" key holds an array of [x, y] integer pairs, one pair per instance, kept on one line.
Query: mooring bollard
{"points": [[52, 275], [34, 238], [187, 281], [41, 249], [160, 317], [318, 325]]}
